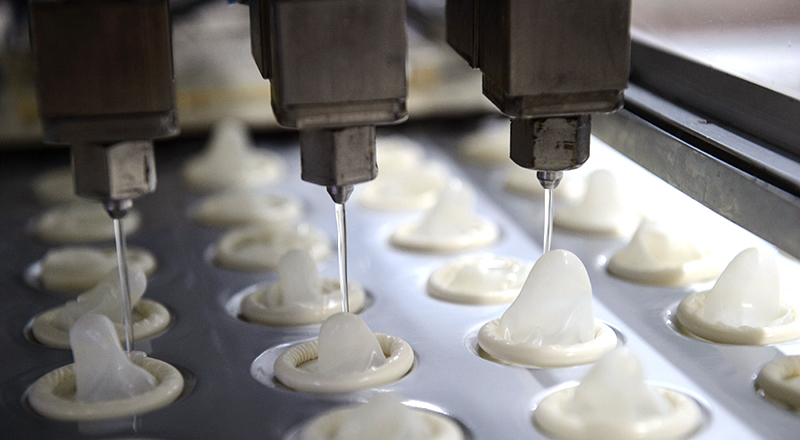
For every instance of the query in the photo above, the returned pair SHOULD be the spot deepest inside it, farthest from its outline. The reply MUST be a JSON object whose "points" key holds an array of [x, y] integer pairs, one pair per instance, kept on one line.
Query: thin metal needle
{"points": [[548, 219], [549, 181], [124, 282], [341, 226]]}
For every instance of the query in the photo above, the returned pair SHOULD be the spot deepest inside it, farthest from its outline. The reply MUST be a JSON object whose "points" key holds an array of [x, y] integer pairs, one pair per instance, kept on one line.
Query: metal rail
{"points": [[739, 179]]}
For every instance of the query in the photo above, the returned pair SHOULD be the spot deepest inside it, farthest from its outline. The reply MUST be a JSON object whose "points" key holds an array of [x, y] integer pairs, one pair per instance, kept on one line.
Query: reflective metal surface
{"points": [[216, 350], [744, 182], [122, 171], [336, 70], [547, 66], [103, 70]]}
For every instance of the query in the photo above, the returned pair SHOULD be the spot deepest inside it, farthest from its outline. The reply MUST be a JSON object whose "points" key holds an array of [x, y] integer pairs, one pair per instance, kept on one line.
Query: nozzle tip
{"points": [[340, 194], [549, 179], [118, 209]]}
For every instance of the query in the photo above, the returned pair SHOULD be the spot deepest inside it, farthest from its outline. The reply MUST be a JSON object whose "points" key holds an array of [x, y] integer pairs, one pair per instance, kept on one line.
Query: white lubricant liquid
{"points": [[122, 263], [341, 228]]}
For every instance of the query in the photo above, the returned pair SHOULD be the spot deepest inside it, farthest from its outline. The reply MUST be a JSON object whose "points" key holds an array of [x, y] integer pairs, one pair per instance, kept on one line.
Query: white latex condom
{"points": [[79, 268], [602, 211], [240, 207], [347, 347], [230, 161], [102, 370], [104, 382], [551, 323], [298, 278], [744, 306], [450, 226], [105, 298], [51, 327], [613, 402], [300, 297], [383, 417], [405, 181], [81, 222], [55, 186], [780, 381], [346, 357], [260, 247], [486, 279], [663, 256]]}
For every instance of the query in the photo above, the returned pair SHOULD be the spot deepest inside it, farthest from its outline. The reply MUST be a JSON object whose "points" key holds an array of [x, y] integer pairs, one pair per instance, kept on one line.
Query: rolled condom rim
{"points": [[690, 322], [255, 310], [399, 357], [685, 418], [547, 356], [43, 396], [155, 318], [326, 425]]}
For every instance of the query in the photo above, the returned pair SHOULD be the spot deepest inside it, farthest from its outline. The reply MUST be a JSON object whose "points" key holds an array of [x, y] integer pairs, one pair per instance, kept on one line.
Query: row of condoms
{"points": [[550, 323]]}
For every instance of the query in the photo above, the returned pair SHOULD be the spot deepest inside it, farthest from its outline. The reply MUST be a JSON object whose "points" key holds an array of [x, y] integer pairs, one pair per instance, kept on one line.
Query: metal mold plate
{"points": [[490, 400]]}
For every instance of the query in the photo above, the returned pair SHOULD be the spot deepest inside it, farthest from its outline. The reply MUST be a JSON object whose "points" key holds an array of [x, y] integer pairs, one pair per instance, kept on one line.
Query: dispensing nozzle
{"points": [[340, 194], [118, 209], [338, 158], [116, 172], [550, 145], [549, 179]]}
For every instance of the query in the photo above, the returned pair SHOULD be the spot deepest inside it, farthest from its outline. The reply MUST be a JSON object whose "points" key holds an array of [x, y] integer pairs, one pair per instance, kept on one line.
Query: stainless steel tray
{"points": [[215, 350]]}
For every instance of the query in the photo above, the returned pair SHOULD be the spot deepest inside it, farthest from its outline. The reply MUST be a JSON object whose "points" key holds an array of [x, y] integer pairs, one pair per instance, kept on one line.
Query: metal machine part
{"points": [[215, 350], [103, 70], [753, 186], [542, 60], [550, 144], [105, 86], [120, 171], [338, 158], [337, 68]]}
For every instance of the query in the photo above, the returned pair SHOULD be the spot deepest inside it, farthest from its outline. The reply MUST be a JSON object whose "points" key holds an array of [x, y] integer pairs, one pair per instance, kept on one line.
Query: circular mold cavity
{"points": [[189, 384], [210, 258], [263, 371], [485, 279], [471, 343], [233, 305], [601, 262], [296, 432], [670, 318], [225, 253], [57, 225], [705, 412], [721, 333], [489, 235], [293, 205], [33, 273]]}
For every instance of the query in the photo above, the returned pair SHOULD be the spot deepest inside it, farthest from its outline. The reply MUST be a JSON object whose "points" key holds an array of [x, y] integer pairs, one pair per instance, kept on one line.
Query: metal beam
{"points": [[755, 191]]}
